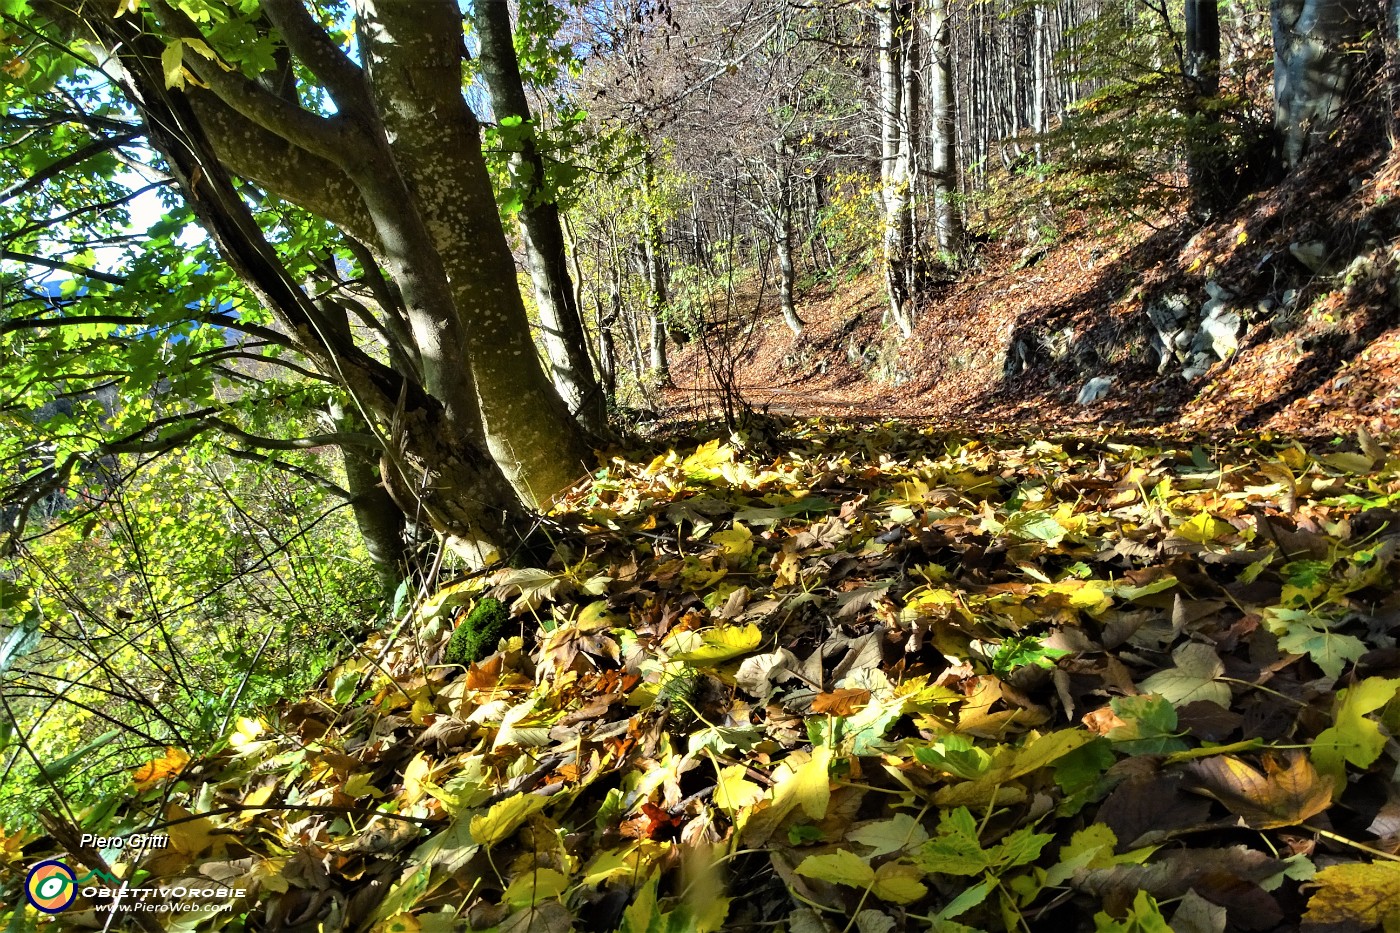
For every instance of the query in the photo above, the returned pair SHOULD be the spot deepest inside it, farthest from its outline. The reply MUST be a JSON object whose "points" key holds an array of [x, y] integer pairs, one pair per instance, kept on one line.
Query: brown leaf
{"points": [[1285, 793], [842, 702]]}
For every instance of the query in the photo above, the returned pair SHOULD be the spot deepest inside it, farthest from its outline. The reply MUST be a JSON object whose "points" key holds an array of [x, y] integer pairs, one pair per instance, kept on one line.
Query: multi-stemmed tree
{"points": [[333, 160]]}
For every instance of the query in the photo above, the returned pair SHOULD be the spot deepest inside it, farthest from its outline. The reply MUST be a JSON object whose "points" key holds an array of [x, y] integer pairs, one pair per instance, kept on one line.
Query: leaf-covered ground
{"points": [[883, 680]]}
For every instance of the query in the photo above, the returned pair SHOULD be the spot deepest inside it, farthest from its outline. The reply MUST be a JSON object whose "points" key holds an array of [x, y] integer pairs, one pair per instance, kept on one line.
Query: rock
{"points": [[1363, 269], [1171, 317], [1218, 293], [1169, 312], [1094, 390], [1312, 254], [1290, 298], [1221, 332], [1197, 366]]}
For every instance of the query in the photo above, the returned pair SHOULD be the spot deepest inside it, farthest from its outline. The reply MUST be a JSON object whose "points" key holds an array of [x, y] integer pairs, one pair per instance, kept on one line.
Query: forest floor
{"points": [[1325, 362]]}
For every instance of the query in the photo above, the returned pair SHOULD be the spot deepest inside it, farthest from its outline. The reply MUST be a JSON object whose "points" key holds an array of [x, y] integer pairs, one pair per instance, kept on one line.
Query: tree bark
{"points": [[546, 256], [443, 470], [895, 189], [1207, 170], [1311, 69], [947, 213], [655, 274], [413, 54]]}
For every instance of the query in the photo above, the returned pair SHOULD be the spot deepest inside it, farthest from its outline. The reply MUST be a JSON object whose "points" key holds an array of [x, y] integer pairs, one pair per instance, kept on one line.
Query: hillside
{"points": [[1308, 266]]}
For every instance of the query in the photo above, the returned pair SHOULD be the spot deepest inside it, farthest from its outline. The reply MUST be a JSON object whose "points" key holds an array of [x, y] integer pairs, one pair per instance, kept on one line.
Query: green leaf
{"points": [[1354, 738], [956, 849], [1193, 678], [1149, 726], [1143, 917], [968, 899], [839, 867], [956, 755]]}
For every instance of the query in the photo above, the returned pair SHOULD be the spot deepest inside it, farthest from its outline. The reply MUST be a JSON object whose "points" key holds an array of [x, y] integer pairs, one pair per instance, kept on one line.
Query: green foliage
{"points": [[204, 588], [476, 636], [1121, 151]]}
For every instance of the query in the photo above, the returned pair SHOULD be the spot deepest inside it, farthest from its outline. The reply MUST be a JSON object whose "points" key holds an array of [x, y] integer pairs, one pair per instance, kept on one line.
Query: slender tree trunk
{"points": [[435, 144], [377, 516], [782, 239], [561, 323], [655, 275], [895, 193], [943, 116]]}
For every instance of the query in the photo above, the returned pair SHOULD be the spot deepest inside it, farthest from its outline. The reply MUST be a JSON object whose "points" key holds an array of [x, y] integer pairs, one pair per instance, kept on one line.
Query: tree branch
{"points": [[61, 266], [77, 157], [311, 476], [309, 42], [330, 138]]}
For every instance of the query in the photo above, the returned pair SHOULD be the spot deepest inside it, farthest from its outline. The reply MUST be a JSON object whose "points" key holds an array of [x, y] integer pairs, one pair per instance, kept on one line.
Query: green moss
{"points": [[476, 636]]}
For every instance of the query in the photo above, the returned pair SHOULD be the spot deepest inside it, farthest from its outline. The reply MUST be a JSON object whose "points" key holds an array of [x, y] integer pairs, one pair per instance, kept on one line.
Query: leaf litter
{"points": [[867, 679]]}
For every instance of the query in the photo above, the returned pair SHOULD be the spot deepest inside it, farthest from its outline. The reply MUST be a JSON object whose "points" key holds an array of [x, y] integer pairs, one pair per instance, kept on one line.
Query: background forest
{"points": [[343, 344]]}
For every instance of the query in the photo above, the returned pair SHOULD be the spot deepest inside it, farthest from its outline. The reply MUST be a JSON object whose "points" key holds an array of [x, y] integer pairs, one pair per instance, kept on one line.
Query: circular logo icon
{"points": [[51, 886]]}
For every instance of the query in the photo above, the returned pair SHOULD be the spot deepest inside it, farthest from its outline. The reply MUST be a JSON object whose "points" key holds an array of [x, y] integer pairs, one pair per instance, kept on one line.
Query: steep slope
{"points": [[1300, 278]]}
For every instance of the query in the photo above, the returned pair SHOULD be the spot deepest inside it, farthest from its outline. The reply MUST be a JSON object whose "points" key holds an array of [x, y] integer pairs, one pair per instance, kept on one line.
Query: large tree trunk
{"points": [[1206, 167], [398, 166], [561, 322], [947, 213], [413, 54], [434, 461], [1311, 69]]}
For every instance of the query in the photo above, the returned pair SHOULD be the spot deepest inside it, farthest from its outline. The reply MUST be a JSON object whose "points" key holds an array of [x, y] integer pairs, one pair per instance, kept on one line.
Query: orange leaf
{"points": [[842, 702], [158, 769]]}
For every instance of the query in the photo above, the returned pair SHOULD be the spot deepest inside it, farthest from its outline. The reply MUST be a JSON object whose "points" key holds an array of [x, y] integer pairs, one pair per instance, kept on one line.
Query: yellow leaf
{"points": [[708, 460], [359, 786], [158, 769], [1286, 793], [736, 544], [414, 777], [172, 63], [1357, 896], [718, 644], [1242, 239], [1203, 529], [504, 818], [809, 786], [840, 867], [531, 887], [898, 884], [733, 790]]}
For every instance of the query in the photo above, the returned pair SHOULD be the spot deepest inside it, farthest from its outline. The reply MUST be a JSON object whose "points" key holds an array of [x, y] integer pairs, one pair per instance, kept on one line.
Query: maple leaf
{"points": [[1288, 791]]}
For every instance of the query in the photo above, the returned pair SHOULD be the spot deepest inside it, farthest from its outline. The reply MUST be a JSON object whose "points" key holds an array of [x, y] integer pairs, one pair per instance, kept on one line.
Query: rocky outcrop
{"points": [[1192, 339]]}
